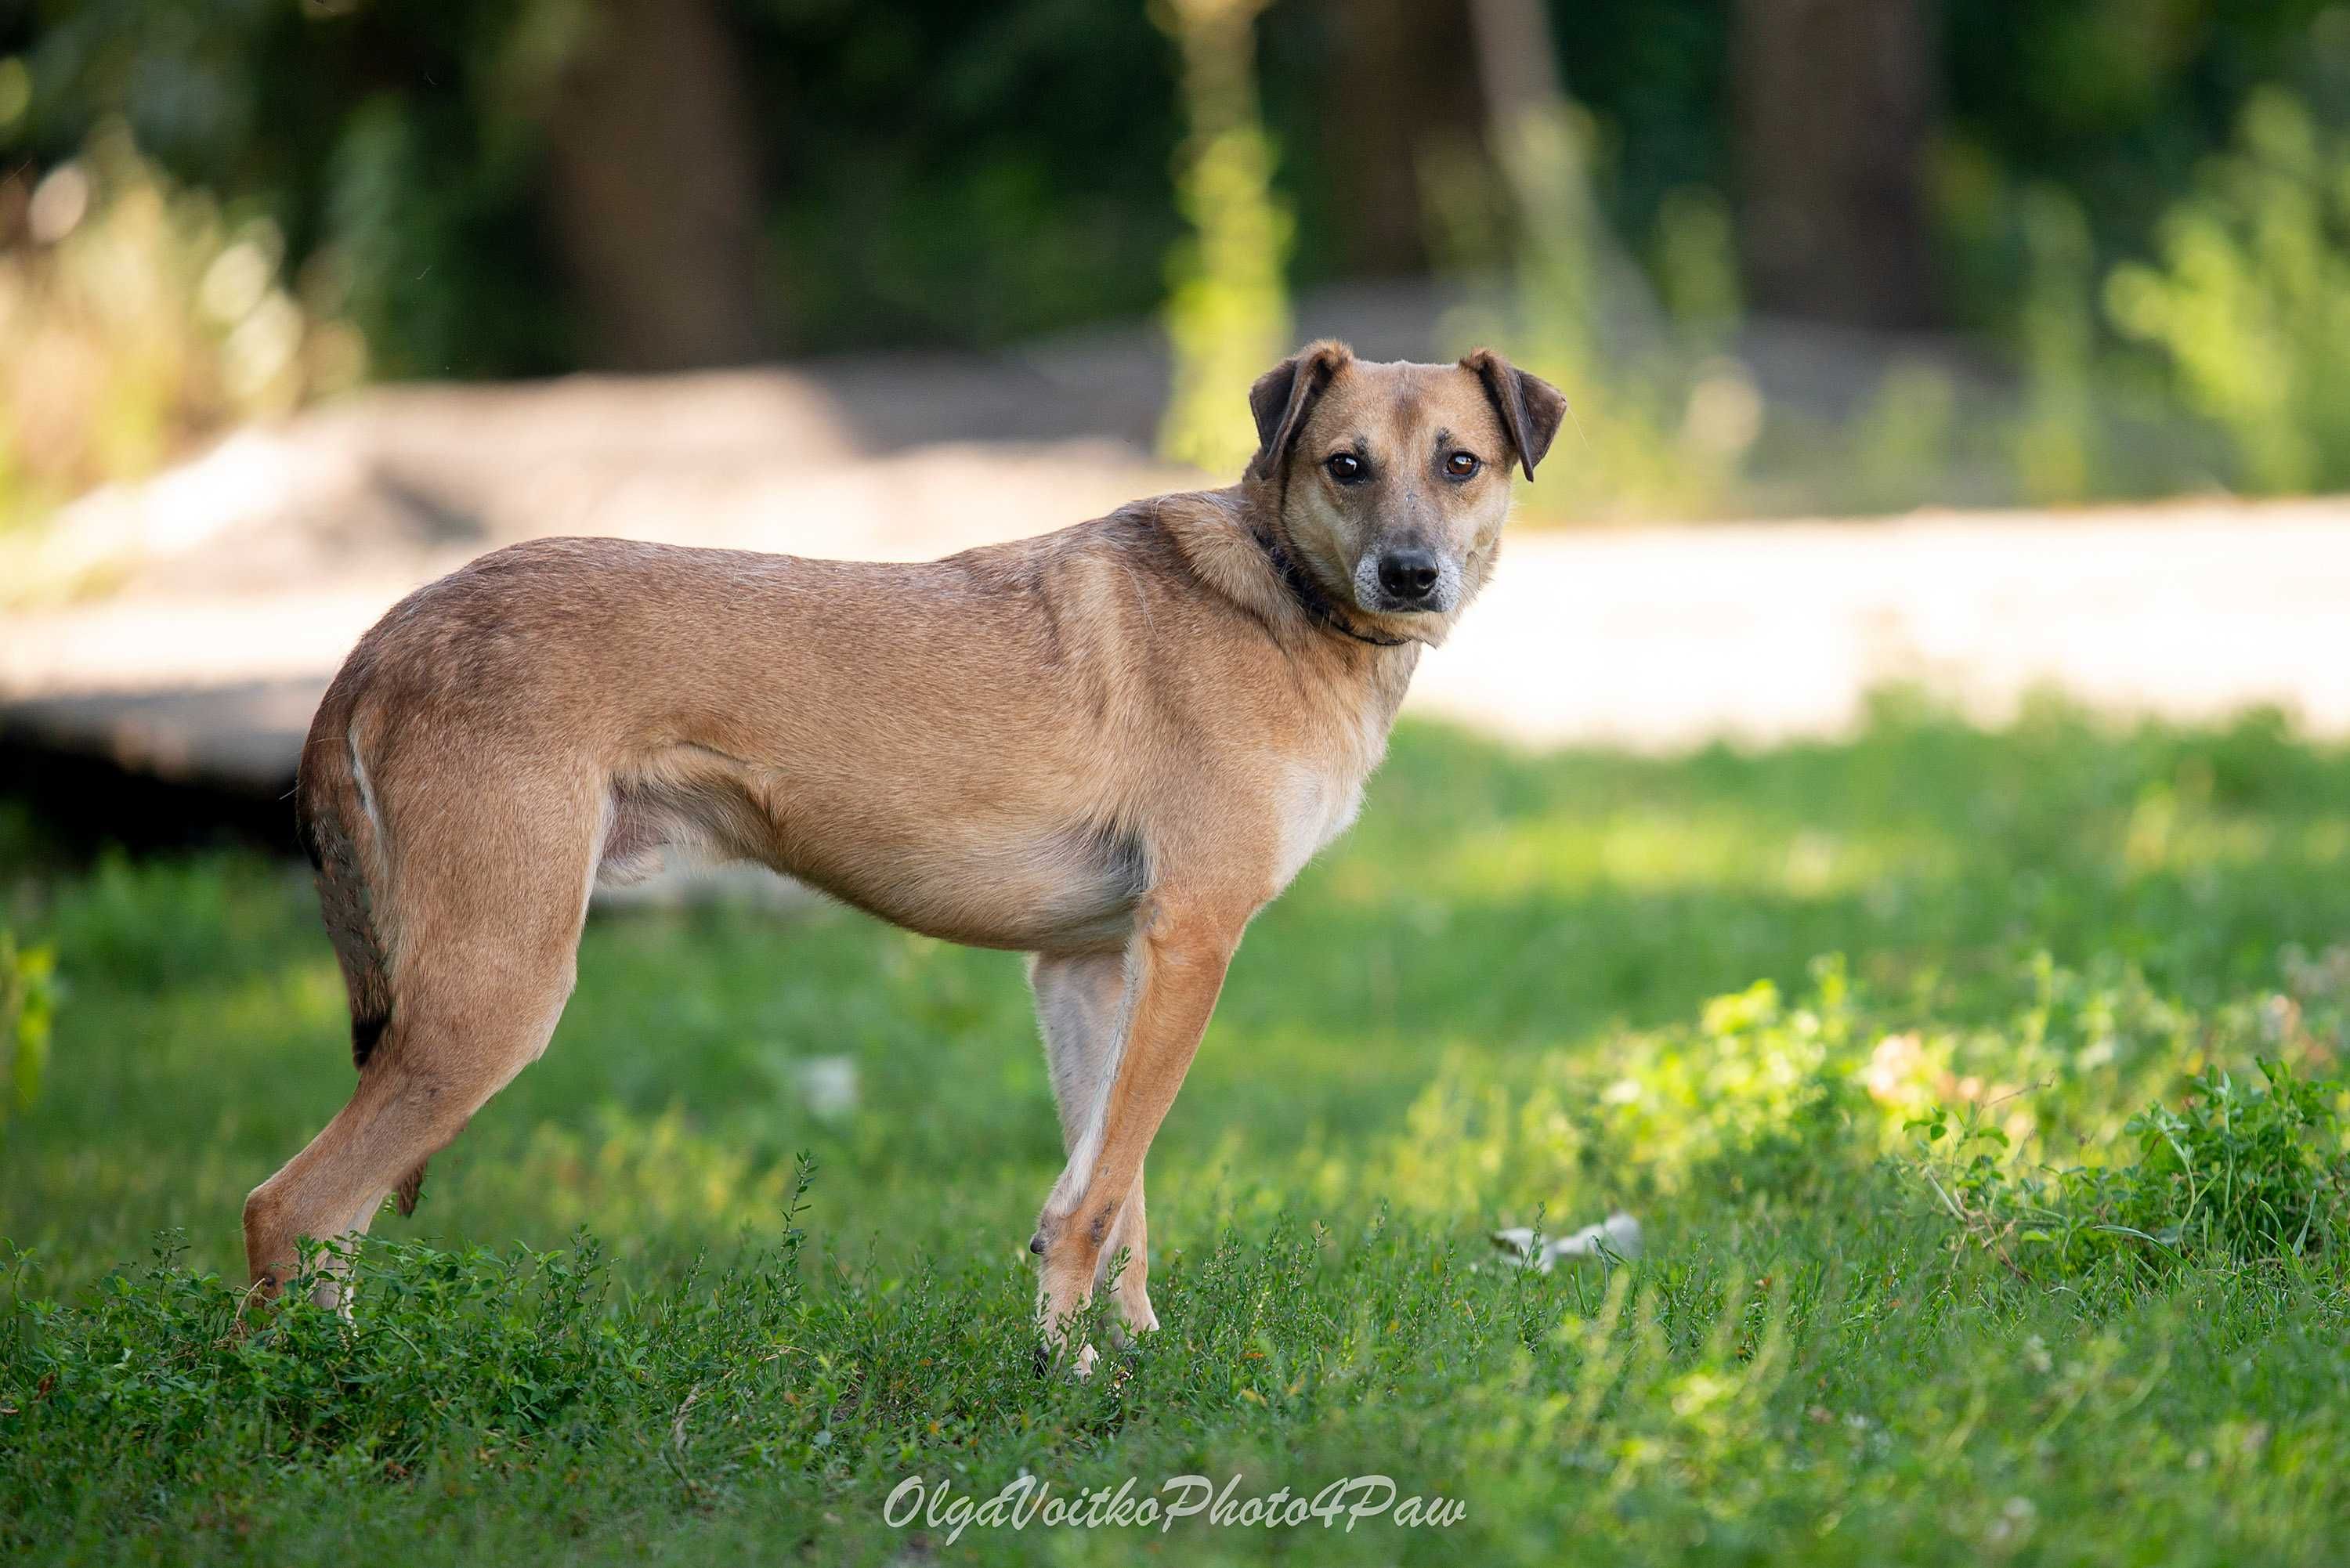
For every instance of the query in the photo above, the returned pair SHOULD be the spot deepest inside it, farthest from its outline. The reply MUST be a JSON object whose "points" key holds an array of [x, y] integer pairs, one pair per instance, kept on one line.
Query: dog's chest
{"points": [[1315, 801], [1319, 796]]}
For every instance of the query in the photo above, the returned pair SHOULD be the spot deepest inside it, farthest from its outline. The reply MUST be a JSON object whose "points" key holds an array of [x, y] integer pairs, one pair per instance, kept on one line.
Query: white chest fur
{"points": [[1314, 807], [1319, 795], [1318, 800]]}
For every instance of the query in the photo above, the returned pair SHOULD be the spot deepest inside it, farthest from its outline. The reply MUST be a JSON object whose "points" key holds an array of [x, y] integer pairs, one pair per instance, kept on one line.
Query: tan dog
{"points": [[1108, 746]]}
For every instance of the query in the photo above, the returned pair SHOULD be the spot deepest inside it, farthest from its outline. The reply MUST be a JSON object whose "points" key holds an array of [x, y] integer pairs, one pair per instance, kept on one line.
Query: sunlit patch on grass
{"points": [[623, 1176], [1525, 990], [1764, 1098]]}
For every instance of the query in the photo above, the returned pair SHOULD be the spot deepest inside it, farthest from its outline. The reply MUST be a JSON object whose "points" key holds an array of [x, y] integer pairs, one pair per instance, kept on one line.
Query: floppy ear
{"points": [[1285, 395], [1530, 406]]}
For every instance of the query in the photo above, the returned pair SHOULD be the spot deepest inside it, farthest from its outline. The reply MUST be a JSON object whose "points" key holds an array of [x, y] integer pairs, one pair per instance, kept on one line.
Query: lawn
{"points": [[1926, 1062]]}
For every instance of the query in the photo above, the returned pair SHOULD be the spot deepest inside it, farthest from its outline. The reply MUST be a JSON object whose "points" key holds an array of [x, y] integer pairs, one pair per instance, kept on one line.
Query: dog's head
{"points": [[1392, 480]]}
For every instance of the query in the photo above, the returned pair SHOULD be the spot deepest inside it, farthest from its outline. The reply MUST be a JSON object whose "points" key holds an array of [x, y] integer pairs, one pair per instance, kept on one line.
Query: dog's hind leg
{"points": [[487, 915], [1081, 1009]]}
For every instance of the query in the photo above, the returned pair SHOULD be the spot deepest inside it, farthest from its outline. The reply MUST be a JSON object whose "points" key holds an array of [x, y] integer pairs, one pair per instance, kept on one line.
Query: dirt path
{"points": [[236, 583], [1654, 638], [1668, 638]]}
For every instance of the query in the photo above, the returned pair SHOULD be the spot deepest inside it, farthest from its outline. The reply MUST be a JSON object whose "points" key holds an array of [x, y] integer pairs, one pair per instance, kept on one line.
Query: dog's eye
{"points": [[1345, 467], [1463, 465]]}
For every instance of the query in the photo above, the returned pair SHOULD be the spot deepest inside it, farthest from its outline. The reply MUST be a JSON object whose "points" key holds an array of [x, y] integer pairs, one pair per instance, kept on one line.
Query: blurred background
{"points": [[1918, 683], [1793, 256], [304, 303]]}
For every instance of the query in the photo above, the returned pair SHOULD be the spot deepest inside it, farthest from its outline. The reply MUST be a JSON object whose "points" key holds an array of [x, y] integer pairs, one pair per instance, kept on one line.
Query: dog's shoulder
{"points": [[1209, 539]]}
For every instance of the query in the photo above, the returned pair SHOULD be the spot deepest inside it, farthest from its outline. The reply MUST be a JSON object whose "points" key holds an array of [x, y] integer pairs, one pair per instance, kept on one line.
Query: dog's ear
{"points": [[1530, 406], [1285, 395]]}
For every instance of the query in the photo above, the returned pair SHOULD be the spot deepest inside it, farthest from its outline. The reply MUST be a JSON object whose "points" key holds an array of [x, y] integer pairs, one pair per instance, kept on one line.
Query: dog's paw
{"points": [[1080, 1365], [1132, 1320]]}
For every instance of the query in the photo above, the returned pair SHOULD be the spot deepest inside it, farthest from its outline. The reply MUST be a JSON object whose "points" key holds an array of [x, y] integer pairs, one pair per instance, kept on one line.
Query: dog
{"points": [[1107, 747]]}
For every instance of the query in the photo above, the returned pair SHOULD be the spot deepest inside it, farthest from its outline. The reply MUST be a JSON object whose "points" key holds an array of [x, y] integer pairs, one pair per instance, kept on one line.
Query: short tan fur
{"points": [[1108, 746]]}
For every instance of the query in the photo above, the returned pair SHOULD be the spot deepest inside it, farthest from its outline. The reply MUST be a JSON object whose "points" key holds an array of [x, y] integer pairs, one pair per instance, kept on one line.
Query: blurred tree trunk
{"points": [[1517, 61], [1404, 85], [1543, 153], [1835, 102], [654, 188]]}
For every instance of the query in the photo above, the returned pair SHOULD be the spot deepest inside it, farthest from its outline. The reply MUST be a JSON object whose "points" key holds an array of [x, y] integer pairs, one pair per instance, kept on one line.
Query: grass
{"points": [[1928, 1063]]}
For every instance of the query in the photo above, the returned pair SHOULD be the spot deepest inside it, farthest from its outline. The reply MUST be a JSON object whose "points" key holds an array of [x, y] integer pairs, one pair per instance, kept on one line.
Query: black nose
{"points": [[1407, 574]]}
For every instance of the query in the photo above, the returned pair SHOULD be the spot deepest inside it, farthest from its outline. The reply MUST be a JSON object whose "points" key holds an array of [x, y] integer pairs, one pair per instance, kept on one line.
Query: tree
{"points": [[1834, 103], [1405, 86], [654, 189]]}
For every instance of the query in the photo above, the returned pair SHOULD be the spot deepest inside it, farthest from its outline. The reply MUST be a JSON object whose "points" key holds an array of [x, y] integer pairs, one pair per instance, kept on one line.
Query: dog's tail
{"points": [[341, 826]]}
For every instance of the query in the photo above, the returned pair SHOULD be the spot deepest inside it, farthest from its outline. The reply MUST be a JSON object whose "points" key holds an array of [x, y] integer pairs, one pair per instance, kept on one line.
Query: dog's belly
{"points": [[1067, 892], [997, 877]]}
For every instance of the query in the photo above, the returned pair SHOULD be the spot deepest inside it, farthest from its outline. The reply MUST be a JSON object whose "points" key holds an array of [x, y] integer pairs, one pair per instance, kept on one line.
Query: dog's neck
{"points": [[1311, 596], [1235, 542]]}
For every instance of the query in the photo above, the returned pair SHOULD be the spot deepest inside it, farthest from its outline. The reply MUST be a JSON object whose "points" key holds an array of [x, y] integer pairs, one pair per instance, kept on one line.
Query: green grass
{"points": [[2101, 1317]]}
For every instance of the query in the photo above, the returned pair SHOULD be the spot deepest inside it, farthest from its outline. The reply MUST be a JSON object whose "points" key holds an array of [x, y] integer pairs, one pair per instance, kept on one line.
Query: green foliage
{"points": [[922, 179], [29, 1001], [2235, 1173], [1227, 310], [2057, 451], [140, 318], [1661, 416], [2251, 303], [526, 1351], [2114, 102], [1770, 1100], [1697, 266], [1901, 438], [389, 145], [1524, 989], [2246, 1170], [921, 184]]}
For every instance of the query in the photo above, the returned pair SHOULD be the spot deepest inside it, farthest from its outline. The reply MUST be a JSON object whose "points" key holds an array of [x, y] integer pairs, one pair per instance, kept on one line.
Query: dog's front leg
{"points": [[1174, 971]]}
